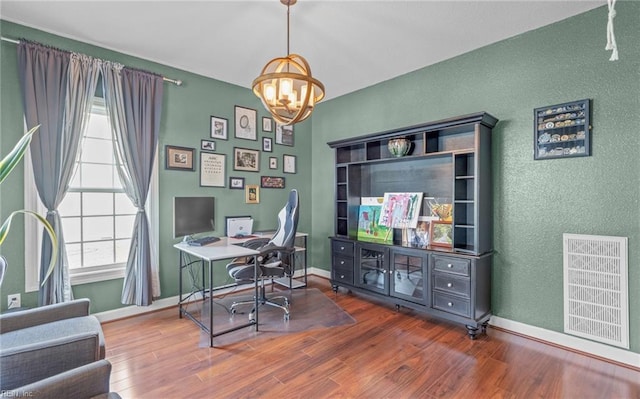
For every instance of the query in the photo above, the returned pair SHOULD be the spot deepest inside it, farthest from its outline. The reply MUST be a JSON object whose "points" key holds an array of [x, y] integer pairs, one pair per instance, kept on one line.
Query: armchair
{"points": [[275, 259], [39, 343]]}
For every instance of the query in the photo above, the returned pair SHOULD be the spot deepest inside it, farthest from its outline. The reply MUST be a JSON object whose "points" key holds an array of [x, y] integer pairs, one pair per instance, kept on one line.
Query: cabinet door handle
{"points": [[449, 265], [449, 304], [449, 285]]}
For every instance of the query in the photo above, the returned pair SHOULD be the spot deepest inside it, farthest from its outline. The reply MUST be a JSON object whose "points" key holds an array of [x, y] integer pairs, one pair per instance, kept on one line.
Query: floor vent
{"points": [[596, 302]]}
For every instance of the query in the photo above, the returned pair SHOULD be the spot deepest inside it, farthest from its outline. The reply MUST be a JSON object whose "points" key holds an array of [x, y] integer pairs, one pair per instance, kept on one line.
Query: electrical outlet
{"points": [[14, 301]]}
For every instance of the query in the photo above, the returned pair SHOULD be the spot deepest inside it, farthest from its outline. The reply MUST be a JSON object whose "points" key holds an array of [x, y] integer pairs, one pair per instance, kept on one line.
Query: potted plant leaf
{"points": [[7, 164]]}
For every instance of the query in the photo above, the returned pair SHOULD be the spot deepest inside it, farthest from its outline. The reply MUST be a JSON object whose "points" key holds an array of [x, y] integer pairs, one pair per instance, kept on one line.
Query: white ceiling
{"points": [[349, 44]]}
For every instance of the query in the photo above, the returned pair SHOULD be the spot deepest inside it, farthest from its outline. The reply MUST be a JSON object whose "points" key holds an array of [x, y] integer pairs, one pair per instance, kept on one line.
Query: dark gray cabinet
{"points": [[448, 159]]}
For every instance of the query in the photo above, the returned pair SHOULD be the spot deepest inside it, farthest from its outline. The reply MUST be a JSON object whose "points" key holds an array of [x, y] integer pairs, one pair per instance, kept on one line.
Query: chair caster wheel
{"points": [[286, 317]]}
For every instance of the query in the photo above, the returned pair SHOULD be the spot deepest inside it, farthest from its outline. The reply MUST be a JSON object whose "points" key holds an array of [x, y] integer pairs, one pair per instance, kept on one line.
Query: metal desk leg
{"points": [[180, 265]]}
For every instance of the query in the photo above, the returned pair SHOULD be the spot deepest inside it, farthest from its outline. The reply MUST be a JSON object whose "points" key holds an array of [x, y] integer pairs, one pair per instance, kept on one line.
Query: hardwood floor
{"points": [[386, 354]]}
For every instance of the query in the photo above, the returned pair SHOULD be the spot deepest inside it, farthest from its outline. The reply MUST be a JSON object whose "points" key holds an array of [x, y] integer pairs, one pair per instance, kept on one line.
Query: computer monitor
{"points": [[193, 215]]}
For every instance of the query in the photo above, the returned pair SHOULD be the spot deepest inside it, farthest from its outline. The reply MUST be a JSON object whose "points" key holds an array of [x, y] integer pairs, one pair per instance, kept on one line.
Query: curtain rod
{"points": [[176, 82]]}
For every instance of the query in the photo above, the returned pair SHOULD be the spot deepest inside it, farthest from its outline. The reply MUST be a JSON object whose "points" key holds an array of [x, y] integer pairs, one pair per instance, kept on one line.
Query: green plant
{"points": [[7, 164]]}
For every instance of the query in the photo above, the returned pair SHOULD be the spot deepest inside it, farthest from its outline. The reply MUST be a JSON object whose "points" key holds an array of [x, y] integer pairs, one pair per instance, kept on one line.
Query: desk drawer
{"points": [[452, 304], [451, 265], [342, 248], [452, 284]]}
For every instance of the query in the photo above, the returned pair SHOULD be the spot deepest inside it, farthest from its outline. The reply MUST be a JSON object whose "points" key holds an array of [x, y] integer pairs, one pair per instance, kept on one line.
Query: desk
{"points": [[220, 250]]}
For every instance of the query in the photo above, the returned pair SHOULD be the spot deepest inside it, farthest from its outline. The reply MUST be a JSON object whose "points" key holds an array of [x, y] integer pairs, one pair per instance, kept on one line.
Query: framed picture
{"points": [[236, 183], [179, 158], [289, 163], [246, 159], [245, 123], [267, 144], [267, 124], [219, 128], [284, 134], [271, 182], [441, 234], [252, 194], [273, 163], [212, 169], [207, 145], [419, 237]]}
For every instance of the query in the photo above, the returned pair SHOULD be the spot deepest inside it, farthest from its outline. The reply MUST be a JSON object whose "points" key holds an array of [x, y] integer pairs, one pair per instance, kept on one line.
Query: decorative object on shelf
{"points": [[441, 208], [219, 128], [212, 169], [368, 216], [399, 147], [236, 183], [400, 210], [245, 123], [246, 159], [419, 237], [286, 87], [271, 182], [562, 130], [252, 194], [441, 234], [179, 158]]}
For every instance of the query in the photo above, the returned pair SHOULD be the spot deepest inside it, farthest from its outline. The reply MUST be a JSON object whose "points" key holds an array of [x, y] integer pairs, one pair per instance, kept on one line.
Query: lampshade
{"points": [[286, 87]]}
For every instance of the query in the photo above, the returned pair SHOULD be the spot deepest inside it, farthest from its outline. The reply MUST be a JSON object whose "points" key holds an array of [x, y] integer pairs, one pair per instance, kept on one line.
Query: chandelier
{"points": [[286, 87]]}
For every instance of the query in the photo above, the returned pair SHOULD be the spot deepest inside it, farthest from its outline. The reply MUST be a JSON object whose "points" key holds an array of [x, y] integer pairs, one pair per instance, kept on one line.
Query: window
{"points": [[97, 216]]}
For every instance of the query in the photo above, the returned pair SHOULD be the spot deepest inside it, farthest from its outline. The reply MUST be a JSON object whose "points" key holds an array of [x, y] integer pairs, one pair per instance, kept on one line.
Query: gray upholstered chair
{"points": [[43, 342], [90, 381], [276, 258]]}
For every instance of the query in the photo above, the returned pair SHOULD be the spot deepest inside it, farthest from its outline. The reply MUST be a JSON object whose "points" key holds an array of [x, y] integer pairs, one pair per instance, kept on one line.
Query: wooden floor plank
{"points": [[385, 354]]}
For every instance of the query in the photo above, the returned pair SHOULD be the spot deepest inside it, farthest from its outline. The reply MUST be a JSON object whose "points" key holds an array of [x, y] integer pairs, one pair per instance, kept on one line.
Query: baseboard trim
{"points": [[570, 342], [164, 303]]}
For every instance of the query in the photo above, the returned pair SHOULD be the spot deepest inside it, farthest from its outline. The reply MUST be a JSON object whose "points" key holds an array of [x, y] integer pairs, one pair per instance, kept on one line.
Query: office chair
{"points": [[275, 259]]}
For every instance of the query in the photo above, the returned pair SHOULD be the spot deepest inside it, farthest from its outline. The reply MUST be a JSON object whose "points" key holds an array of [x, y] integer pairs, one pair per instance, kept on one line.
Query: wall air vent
{"points": [[596, 302]]}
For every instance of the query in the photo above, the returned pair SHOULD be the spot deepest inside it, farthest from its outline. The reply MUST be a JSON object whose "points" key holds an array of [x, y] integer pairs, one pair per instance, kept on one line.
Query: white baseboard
{"points": [[569, 341], [129, 311]]}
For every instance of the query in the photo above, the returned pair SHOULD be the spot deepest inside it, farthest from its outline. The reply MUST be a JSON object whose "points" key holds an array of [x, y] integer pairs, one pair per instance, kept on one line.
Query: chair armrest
{"points": [[22, 365], [83, 382], [255, 243], [44, 314]]}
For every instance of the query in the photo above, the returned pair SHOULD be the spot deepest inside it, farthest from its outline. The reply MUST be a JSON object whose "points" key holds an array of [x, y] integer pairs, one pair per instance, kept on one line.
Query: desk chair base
{"points": [[263, 300]]}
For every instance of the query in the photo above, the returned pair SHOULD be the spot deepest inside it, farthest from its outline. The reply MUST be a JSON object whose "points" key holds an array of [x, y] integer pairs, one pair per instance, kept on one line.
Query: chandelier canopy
{"points": [[286, 87]]}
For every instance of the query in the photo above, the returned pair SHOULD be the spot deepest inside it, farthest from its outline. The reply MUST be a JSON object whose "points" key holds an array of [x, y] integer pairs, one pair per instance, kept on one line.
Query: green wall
{"points": [[535, 202], [185, 121]]}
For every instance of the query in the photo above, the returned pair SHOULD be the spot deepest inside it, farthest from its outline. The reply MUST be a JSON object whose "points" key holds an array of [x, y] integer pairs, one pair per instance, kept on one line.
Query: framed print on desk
{"points": [[212, 169], [179, 158], [245, 123], [219, 128]]}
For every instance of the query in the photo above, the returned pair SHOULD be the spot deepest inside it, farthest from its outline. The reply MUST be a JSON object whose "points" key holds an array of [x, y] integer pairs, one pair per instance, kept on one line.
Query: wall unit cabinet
{"points": [[448, 159]]}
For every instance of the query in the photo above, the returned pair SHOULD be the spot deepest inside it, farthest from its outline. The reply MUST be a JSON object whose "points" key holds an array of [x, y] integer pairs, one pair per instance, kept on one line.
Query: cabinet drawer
{"points": [[452, 284], [342, 275], [451, 265], [340, 262], [452, 304], [343, 248]]}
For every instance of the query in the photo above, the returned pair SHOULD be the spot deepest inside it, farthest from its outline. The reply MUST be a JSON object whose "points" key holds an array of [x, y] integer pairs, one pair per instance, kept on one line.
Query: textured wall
{"points": [[534, 201]]}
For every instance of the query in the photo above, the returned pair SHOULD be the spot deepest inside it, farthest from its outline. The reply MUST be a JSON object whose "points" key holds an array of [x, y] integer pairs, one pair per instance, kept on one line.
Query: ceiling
{"points": [[349, 44]]}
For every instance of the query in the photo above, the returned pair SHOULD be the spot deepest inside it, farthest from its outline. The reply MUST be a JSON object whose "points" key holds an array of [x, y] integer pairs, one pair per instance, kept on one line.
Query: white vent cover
{"points": [[596, 301]]}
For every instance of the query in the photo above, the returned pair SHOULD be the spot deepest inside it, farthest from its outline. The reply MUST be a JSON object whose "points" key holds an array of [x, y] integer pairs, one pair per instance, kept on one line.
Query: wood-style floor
{"points": [[386, 354]]}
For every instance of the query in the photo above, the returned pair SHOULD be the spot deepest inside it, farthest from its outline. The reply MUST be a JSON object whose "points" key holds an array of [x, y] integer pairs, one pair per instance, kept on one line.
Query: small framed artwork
{"points": [[245, 123], [440, 234], [273, 163], [179, 158], [267, 144], [207, 145], [289, 163], [267, 124], [236, 183], [219, 128], [212, 169], [284, 134], [252, 194], [271, 182], [246, 159]]}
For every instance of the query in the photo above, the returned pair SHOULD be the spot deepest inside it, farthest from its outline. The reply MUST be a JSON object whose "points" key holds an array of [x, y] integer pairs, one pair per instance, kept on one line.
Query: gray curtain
{"points": [[56, 90], [133, 100]]}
